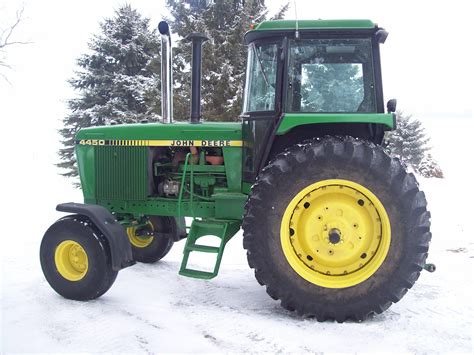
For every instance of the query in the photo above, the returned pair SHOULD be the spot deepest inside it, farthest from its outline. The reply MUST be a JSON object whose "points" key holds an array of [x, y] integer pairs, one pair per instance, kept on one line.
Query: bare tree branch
{"points": [[5, 39]]}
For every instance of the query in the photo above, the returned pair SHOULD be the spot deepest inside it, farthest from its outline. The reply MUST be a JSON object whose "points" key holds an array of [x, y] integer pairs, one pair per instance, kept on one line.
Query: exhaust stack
{"points": [[197, 40], [166, 73]]}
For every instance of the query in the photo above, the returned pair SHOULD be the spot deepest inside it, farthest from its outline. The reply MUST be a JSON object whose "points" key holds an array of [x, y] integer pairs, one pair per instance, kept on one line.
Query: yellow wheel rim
{"points": [[71, 260], [335, 233], [136, 241]]}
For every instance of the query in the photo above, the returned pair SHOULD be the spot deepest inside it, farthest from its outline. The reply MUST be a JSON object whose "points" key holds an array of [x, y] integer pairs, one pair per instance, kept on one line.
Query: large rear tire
{"points": [[336, 228]]}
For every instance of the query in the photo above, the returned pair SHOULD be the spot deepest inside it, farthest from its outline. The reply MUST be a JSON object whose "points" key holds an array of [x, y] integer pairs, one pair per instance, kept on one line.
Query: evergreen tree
{"points": [[410, 143], [430, 168], [224, 56], [117, 81]]}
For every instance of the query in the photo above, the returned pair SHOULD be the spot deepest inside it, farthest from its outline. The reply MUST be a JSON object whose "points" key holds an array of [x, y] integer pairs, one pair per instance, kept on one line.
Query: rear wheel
{"points": [[336, 229], [149, 249], [75, 259]]}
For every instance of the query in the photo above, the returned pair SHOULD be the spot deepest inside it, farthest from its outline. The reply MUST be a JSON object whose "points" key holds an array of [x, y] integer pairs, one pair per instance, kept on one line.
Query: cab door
{"points": [[262, 103]]}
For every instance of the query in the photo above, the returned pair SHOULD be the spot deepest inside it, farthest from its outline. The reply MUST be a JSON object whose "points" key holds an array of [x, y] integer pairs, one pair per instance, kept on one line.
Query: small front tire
{"points": [[75, 259]]}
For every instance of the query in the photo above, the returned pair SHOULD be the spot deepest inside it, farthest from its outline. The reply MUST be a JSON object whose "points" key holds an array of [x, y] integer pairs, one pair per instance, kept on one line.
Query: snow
{"points": [[152, 309]]}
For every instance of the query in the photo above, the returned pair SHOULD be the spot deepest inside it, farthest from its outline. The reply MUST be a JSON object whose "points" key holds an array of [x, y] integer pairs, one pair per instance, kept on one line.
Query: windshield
{"points": [[261, 77], [331, 75]]}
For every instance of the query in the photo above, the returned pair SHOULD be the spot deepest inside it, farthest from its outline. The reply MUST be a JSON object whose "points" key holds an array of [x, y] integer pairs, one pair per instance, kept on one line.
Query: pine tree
{"points": [[117, 81], [410, 143], [430, 168], [224, 56]]}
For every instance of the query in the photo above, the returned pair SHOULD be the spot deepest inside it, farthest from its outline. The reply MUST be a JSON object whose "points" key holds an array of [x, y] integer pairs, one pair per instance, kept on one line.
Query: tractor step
{"points": [[222, 229], [197, 274], [204, 248]]}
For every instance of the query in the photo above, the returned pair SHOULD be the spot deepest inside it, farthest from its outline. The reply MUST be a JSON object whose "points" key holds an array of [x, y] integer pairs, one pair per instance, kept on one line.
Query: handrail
{"points": [[192, 189], [181, 188]]}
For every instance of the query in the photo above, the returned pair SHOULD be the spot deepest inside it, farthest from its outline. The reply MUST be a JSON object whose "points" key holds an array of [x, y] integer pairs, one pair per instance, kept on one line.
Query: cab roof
{"points": [[284, 27], [314, 24]]}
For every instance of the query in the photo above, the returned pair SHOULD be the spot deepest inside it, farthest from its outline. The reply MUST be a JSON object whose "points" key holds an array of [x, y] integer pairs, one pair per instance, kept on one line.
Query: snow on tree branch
{"points": [[409, 143]]}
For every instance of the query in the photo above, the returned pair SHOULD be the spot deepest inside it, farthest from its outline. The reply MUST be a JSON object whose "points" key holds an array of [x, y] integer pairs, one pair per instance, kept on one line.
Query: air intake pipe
{"points": [[166, 73], [197, 40]]}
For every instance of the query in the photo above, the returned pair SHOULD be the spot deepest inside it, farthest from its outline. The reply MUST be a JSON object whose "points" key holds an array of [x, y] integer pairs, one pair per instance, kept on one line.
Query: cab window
{"points": [[260, 85], [331, 75]]}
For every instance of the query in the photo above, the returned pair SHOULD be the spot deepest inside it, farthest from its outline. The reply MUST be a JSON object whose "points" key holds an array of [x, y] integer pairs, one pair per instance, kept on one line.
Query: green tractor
{"points": [[334, 227]]}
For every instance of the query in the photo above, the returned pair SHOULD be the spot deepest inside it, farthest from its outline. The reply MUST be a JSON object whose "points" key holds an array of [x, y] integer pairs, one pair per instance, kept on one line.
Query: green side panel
{"points": [[156, 206], [181, 131], [223, 205], [315, 24], [121, 173], [229, 205], [86, 164], [292, 120], [233, 168]]}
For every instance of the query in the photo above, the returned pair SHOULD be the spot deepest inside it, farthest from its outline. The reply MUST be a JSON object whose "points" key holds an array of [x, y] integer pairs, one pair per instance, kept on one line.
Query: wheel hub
{"points": [[334, 236], [71, 260], [338, 234]]}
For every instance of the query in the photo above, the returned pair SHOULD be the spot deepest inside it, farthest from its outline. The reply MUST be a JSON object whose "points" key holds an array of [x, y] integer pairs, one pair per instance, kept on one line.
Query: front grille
{"points": [[121, 173]]}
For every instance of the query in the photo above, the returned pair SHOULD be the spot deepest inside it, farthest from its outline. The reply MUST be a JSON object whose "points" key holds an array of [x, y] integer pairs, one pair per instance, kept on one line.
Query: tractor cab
{"points": [[300, 73]]}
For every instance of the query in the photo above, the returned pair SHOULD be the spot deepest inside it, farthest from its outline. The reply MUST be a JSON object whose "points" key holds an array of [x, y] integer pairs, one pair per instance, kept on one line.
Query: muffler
{"points": [[166, 73]]}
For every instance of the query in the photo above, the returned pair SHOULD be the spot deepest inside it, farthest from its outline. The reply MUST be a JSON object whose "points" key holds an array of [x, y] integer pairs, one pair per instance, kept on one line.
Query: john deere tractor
{"points": [[334, 227]]}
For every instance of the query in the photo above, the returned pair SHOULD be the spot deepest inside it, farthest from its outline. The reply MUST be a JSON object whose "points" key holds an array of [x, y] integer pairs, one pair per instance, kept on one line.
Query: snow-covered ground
{"points": [[150, 308]]}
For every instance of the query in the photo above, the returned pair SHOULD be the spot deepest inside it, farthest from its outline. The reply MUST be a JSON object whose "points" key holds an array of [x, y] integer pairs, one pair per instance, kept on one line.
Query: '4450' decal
{"points": [[91, 142]]}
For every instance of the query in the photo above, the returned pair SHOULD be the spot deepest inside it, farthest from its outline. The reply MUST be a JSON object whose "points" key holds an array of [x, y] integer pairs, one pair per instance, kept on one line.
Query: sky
{"points": [[426, 59]]}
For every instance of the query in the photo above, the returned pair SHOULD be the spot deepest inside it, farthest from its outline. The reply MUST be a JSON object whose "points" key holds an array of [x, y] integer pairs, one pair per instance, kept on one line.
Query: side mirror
{"points": [[381, 35], [392, 105]]}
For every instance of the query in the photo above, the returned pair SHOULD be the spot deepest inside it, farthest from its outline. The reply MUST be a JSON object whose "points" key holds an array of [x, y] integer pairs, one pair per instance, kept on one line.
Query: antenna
{"points": [[297, 33]]}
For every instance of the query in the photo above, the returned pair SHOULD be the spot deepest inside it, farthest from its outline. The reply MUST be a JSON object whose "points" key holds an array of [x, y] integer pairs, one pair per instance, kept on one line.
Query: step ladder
{"points": [[224, 230]]}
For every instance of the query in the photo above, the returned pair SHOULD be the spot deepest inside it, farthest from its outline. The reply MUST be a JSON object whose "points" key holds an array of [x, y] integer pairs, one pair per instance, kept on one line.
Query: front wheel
{"points": [[75, 259], [150, 249], [336, 229]]}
